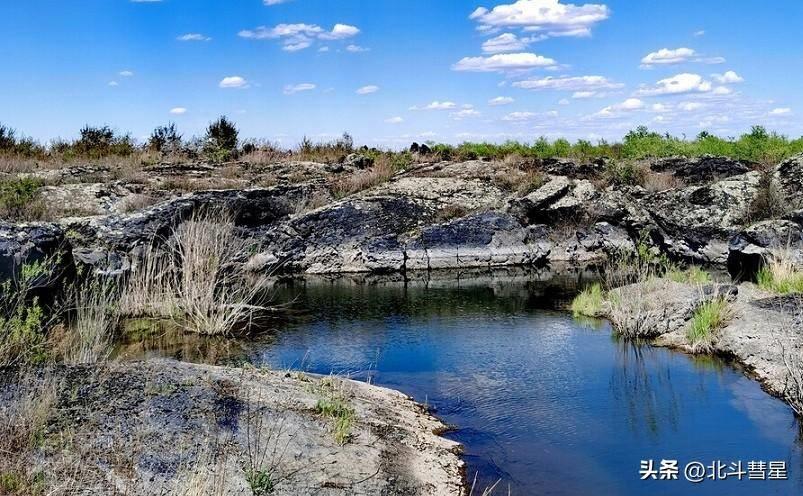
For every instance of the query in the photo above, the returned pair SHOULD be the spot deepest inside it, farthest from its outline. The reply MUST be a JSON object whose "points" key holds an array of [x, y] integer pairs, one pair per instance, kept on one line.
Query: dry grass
{"points": [[635, 312], [380, 173], [95, 321], [137, 202], [310, 202], [200, 281], [661, 181], [780, 274]]}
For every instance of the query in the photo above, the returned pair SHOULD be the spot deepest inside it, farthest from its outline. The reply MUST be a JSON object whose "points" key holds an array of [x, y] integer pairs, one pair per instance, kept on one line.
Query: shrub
{"points": [[710, 317], [623, 173], [221, 140], [165, 139], [769, 201], [98, 142], [589, 302], [19, 199]]}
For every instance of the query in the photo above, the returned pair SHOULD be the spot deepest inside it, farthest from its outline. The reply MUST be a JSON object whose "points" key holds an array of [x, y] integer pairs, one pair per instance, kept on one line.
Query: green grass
{"points": [[691, 275], [19, 199], [780, 279], [709, 317], [589, 302], [341, 414], [261, 482]]}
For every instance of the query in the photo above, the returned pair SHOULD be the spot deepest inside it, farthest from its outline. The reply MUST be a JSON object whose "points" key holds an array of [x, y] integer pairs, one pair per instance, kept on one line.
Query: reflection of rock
{"points": [[178, 413]]}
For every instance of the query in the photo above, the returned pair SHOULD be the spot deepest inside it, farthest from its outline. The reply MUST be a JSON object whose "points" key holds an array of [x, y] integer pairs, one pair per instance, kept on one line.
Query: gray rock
{"points": [[31, 243], [359, 161], [701, 169], [750, 247]]}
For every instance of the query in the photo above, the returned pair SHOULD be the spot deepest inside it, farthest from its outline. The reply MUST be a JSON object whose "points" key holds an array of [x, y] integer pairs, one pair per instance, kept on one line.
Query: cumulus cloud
{"points": [[500, 100], [394, 120], [628, 105], [367, 90], [193, 37], [465, 113], [546, 17], [299, 36], [690, 106], [436, 105], [178, 111], [564, 83], [666, 56], [781, 111], [237, 82], [503, 62], [519, 116], [126, 73], [678, 84], [507, 42], [114, 83], [274, 2], [356, 49], [730, 77], [292, 89]]}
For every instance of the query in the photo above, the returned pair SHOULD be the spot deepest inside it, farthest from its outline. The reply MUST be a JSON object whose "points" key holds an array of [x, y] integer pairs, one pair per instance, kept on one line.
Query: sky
{"points": [[395, 71]]}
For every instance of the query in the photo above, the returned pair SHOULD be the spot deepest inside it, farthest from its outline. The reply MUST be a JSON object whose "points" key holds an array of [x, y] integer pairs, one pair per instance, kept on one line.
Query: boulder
{"points": [[701, 169], [748, 249], [358, 161], [570, 168], [22, 244]]}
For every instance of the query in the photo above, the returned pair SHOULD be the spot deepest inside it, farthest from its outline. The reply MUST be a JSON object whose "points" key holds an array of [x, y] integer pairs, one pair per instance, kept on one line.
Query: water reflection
{"points": [[548, 404]]}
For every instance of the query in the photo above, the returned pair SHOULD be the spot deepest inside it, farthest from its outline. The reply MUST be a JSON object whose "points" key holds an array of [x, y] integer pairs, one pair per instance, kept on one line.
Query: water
{"points": [[548, 404]]}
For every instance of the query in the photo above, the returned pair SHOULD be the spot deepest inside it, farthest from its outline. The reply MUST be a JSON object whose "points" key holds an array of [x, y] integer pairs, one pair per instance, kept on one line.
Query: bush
{"points": [[709, 318], [589, 302], [769, 202], [165, 139], [624, 173], [99, 142], [19, 199], [221, 140]]}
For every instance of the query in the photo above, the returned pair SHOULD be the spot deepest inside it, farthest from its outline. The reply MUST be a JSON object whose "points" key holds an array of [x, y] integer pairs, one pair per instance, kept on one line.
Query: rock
{"points": [[750, 247], [359, 161], [30, 243], [482, 240], [701, 169], [570, 168], [697, 222], [531, 208], [193, 420], [415, 148], [789, 175]]}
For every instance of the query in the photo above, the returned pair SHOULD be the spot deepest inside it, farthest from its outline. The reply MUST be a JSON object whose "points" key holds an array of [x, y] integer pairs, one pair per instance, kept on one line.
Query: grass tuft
{"points": [[589, 302], [780, 274], [691, 275], [709, 318]]}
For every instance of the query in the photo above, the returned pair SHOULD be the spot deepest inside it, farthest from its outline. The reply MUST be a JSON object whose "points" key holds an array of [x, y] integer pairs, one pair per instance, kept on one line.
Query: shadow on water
{"points": [[549, 404]]}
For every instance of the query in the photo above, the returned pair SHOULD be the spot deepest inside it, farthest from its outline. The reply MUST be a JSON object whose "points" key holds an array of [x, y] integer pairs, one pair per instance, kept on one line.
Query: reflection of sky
{"points": [[551, 406]]}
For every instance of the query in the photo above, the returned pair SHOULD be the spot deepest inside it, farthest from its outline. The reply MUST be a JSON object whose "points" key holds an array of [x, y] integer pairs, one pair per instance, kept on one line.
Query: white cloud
{"points": [[563, 101], [564, 83], [394, 120], [659, 107], [292, 89], [520, 116], [690, 106], [299, 36], [730, 77], [628, 105], [323, 49], [507, 42], [193, 37], [500, 100], [580, 95], [367, 90], [114, 83], [699, 33], [233, 82], [437, 105], [465, 113], [666, 56], [340, 32], [781, 111], [274, 2], [722, 90], [126, 73], [356, 49], [678, 84], [547, 17], [503, 62], [178, 111]]}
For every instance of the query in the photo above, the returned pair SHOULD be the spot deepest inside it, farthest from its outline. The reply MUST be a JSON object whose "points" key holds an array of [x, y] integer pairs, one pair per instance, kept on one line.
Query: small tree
{"points": [[165, 139], [8, 139], [221, 139], [101, 141]]}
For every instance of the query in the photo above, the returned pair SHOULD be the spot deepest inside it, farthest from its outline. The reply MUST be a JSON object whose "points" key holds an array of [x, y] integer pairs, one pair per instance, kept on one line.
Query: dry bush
{"points": [[635, 312], [137, 202], [96, 317], [23, 419], [661, 181], [310, 202], [263, 156], [792, 353], [380, 173], [201, 281]]}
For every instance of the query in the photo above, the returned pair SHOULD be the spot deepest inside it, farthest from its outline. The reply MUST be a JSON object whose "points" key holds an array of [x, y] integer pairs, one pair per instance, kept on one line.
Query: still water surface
{"points": [[546, 403]]}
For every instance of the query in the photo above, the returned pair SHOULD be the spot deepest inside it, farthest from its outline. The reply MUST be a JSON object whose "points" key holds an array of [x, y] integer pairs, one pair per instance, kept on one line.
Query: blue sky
{"points": [[394, 71]]}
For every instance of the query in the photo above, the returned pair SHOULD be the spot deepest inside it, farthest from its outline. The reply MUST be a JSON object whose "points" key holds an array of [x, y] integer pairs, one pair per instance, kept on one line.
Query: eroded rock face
{"points": [[697, 222], [31, 243], [702, 169], [749, 249]]}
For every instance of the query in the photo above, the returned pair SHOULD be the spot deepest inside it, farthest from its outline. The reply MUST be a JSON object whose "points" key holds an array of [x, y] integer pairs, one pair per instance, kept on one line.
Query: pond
{"points": [[547, 404]]}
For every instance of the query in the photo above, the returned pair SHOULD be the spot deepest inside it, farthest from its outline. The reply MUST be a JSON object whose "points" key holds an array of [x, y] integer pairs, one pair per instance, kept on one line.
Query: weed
{"points": [[589, 302], [780, 274], [691, 275], [708, 318]]}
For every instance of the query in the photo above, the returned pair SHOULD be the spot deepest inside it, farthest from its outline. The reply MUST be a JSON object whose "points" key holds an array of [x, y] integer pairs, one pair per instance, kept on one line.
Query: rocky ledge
{"points": [[165, 427], [450, 215]]}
